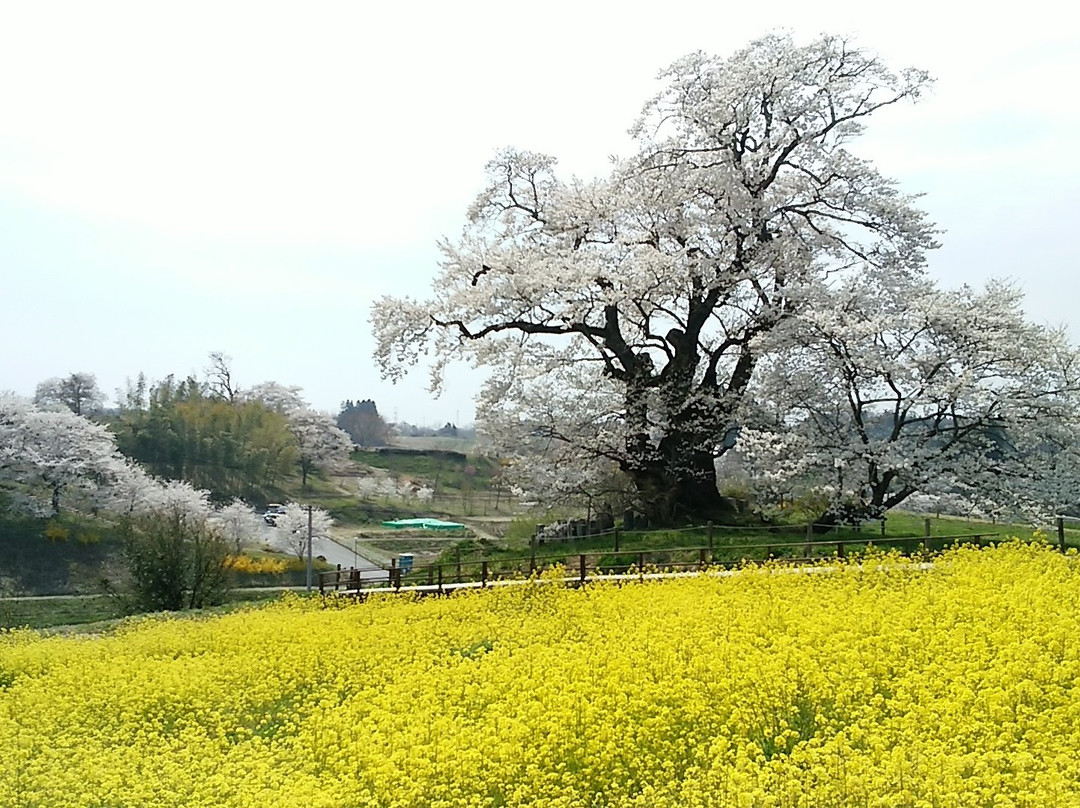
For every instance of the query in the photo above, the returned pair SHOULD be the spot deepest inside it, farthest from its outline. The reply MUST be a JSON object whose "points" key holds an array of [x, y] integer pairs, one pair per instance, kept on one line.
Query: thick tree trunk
{"points": [[675, 475], [873, 507], [680, 491]]}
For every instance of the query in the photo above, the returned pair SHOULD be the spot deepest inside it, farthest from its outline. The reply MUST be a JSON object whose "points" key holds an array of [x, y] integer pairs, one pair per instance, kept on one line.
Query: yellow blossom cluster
{"points": [[880, 684], [258, 566]]}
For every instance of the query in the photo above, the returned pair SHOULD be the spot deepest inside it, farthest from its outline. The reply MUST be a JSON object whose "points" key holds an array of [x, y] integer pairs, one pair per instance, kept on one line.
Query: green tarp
{"points": [[424, 524]]}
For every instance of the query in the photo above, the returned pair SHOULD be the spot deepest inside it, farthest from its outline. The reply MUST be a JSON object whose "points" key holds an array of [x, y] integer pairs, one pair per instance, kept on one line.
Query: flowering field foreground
{"points": [[951, 687]]}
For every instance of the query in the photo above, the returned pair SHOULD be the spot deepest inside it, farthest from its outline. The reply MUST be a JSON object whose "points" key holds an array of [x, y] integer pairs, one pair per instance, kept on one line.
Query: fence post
{"points": [[926, 527], [701, 558], [839, 549], [483, 574], [616, 538], [641, 566], [440, 579], [459, 564], [395, 579], [883, 527], [581, 564], [1061, 533], [532, 556], [430, 575], [712, 553], [810, 541]]}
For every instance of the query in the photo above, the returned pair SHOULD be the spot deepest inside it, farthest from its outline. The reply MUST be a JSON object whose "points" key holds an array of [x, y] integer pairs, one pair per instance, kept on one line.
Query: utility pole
{"points": [[309, 549]]}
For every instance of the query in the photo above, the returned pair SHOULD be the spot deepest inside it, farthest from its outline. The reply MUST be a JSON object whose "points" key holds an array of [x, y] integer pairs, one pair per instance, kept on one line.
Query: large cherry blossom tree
{"points": [[657, 281]]}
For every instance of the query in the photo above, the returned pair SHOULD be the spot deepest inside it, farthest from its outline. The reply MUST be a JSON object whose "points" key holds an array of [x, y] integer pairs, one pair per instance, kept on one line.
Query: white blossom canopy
{"points": [[890, 388], [657, 280]]}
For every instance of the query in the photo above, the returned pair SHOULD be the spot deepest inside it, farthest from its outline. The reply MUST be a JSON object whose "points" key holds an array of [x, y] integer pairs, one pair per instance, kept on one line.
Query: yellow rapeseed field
{"points": [[881, 686]]}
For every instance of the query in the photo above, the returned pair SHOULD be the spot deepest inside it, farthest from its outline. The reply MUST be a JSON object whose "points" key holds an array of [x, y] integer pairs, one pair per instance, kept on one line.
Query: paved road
{"points": [[335, 553]]}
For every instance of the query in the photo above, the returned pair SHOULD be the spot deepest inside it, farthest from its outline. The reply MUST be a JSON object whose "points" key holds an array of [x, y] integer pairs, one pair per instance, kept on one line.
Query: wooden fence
{"points": [[580, 567]]}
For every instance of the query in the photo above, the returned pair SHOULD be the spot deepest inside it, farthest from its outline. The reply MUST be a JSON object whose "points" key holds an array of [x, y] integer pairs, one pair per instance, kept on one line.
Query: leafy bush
{"points": [[174, 561]]}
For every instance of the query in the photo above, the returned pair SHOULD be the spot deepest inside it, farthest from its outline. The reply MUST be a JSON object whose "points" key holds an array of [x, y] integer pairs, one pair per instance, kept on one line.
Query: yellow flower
{"points": [[884, 684]]}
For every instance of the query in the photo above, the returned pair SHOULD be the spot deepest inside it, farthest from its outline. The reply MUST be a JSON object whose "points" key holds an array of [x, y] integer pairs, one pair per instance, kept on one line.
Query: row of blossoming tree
{"points": [[157, 475]]}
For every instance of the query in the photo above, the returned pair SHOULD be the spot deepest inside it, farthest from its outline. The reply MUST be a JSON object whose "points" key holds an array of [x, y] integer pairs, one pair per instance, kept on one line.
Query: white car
{"points": [[273, 511]]}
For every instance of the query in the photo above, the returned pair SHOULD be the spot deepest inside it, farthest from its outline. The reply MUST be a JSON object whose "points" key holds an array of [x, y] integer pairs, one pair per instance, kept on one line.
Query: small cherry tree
{"points": [[54, 457], [319, 442], [239, 524], [280, 398], [291, 528]]}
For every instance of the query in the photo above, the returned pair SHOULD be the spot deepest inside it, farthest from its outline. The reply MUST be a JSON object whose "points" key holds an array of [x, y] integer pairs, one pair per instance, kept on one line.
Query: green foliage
{"points": [[174, 561], [232, 449], [54, 531], [616, 562], [805, 508], [361, 420]]}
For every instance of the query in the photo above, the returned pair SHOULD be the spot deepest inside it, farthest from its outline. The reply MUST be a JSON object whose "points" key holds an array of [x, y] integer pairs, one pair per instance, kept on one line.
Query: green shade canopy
{"points": [[424, 524]]}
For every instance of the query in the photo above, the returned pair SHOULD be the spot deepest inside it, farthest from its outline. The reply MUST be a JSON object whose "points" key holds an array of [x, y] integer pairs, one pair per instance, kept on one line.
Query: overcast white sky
{"points": [[179, 178]]}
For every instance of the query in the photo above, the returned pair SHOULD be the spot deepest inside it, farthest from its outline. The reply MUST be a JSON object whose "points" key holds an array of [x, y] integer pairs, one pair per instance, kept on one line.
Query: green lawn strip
{"points": [[904, 532], [96, 613], [42, 613]]}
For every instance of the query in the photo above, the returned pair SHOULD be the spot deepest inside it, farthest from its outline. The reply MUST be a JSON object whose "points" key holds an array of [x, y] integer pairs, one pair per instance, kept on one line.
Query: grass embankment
{"points": [[462, 485], [60, 610], [872, 686], [54, 556], [87, 605]]}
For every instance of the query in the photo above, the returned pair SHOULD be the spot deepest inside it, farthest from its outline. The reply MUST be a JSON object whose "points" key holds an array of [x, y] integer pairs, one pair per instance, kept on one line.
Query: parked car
{"points": [[273, 511]]}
